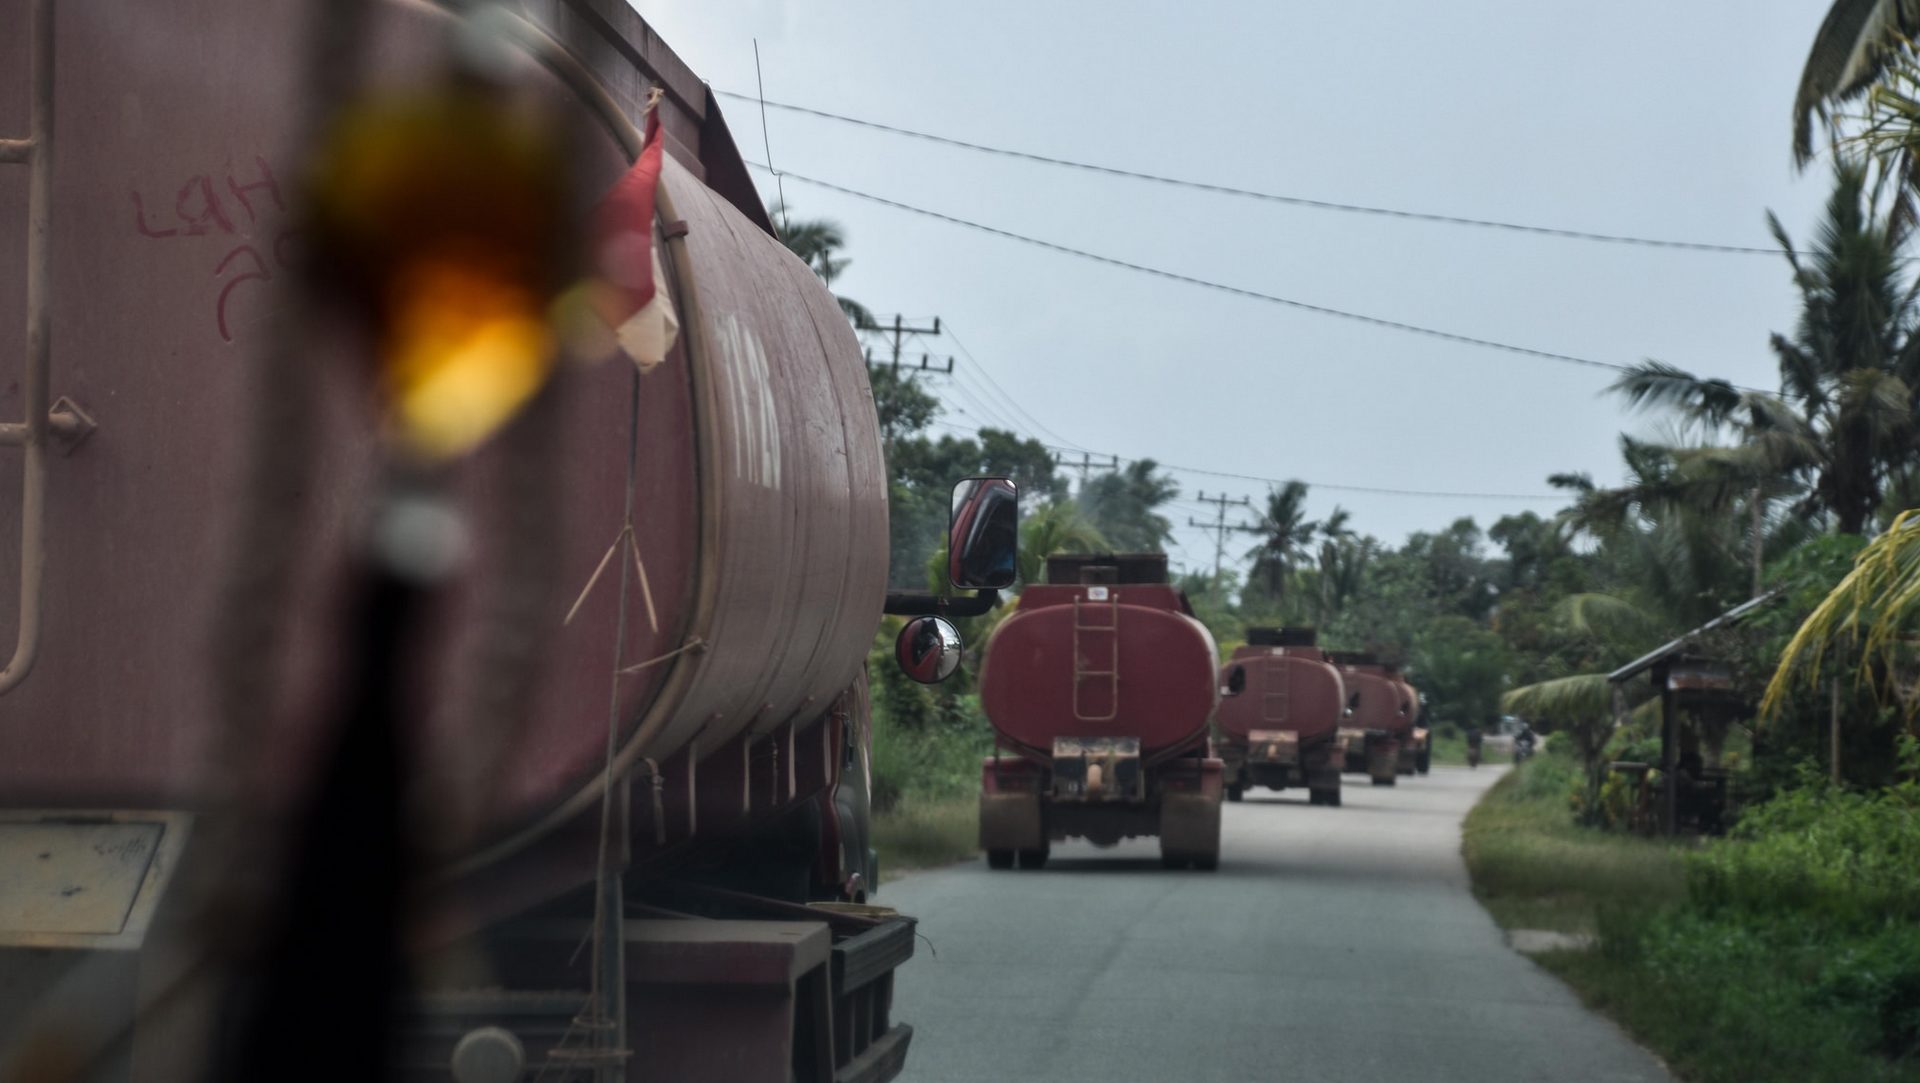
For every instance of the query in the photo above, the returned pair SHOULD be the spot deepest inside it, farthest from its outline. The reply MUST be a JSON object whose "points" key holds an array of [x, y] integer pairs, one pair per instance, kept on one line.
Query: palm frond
{"points": [[1874, 611], [1855, 44], [1584, 697], [1656, 383]]}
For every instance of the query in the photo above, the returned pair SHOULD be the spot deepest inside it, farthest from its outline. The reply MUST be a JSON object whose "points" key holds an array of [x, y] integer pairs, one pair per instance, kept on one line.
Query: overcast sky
{"points": [[1655, 119]]}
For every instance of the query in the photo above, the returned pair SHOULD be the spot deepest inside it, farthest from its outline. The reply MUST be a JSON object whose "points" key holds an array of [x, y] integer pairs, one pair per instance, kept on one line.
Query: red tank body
{"points": [[1288, 688], [756, 573], [760, 497], [1163, 690], [1379, 733]]}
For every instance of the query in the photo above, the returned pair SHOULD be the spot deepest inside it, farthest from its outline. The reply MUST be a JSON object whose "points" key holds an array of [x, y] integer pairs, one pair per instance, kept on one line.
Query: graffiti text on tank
{"points": [[756, 427], [228, 206]]}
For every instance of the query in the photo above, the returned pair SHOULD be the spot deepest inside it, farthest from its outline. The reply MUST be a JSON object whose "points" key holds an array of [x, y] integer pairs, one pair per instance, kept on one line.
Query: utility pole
{"points": [[898, 330], [1219, 526], [1086, 465]]}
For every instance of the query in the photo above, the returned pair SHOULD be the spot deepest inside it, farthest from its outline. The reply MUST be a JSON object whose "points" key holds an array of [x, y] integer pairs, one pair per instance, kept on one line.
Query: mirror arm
{"points": [[922, 604]]}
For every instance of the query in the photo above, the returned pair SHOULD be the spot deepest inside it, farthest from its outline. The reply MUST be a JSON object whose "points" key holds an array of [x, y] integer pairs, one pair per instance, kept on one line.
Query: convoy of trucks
{"points": [[190, 448], [625, 710]]}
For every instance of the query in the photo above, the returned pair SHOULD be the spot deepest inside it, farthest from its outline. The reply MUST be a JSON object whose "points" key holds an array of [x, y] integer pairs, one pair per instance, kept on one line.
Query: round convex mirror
{"points": [[928, 649]]}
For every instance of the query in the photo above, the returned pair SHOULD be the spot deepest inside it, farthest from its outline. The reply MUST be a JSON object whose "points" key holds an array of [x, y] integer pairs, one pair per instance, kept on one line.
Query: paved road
{"points": [[1105, 967]]}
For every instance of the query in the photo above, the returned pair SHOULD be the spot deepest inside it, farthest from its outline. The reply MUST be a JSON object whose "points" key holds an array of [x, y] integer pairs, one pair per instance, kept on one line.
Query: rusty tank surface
{"points": [[736, 492], [1279, 716], [1099, 687], [1382, 719]]}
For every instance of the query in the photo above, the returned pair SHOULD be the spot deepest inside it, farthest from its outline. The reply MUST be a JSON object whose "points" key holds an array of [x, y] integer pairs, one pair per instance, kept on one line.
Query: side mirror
{"points": [[1236, 681], [928, 649], [983, 537]]}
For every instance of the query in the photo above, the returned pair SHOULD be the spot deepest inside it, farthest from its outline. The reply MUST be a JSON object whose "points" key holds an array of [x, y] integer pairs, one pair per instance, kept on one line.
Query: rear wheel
{"points": [[1034, 859], [1173, 861], [1236, 791], [999, 859], [1333, 798], [1207, 862], [1388, 781]]}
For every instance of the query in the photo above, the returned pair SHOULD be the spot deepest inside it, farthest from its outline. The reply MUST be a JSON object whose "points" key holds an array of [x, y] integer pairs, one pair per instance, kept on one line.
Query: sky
{"points": [[1650, 119]]}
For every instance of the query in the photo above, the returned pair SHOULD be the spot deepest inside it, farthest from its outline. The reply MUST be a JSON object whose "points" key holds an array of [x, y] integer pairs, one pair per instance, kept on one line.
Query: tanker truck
{"points": [[1281, 707], [1380, 726], [625, 734], [1099, 686]]}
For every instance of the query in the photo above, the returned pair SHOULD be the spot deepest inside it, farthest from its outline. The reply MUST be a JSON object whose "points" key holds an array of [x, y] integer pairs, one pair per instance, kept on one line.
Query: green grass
{"points": [[1704, 956], [1533, 868], [922, 832]]}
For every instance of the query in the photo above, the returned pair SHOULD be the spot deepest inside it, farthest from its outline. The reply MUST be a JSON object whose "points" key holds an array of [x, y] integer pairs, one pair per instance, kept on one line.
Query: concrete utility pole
{"points": [[1220, 526], [898, 331], [1087, 464]]}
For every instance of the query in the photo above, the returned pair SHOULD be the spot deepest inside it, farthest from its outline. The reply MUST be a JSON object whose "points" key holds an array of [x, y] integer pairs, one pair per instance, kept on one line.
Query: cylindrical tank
{"points": [[1384, 703], [1287, 688], [759, 530], [1089, 660]]}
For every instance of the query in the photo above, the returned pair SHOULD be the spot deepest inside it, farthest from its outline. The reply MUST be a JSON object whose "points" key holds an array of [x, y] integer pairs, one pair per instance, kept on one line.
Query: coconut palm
{"points": [[1286, 535], [818, 241], [1844, 421], [1055, 527], [1121, 506]]}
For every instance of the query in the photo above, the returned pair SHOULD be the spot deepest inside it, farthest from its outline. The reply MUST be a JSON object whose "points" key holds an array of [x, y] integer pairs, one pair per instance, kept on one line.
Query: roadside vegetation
{"points": [[1789, 950]]}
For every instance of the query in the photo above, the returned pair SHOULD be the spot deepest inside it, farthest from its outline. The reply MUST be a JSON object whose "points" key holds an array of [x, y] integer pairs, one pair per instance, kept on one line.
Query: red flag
{"points": [[632, 295]]}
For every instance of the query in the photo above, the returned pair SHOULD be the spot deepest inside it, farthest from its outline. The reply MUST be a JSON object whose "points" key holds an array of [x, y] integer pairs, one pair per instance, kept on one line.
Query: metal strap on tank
{"points": [[1081, 631]]}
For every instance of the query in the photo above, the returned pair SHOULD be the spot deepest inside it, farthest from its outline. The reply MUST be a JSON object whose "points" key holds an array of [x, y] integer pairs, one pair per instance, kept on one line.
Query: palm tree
{"points": [[1286, 533], [1341, 566], [1120, 505], [1054, 527], [818, 241], [1845, 418], [1860, 45]]}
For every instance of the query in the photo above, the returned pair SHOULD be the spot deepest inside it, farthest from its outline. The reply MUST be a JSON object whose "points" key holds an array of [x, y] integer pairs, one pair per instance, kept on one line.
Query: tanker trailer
{"points": [[1282, 705], [1099, 686], [1379, 725], [1422, 729], [645, 679]]}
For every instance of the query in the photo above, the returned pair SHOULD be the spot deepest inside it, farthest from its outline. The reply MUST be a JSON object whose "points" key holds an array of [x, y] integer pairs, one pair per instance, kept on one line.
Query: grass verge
{"points": [[1533, 868], [924, 833], [1762, 989]]}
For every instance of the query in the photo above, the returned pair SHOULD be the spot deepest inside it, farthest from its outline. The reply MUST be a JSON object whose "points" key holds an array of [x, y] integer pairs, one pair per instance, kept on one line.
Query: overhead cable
{"points": [[1273, 197]]}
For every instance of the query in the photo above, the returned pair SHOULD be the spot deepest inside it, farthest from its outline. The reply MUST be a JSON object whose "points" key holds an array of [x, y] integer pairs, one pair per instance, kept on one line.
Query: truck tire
{"points": [[1034, 859], [1236, 791], [1173, 861], [1333, 798], [999, 859], [1424, 762], [1207, 862]]}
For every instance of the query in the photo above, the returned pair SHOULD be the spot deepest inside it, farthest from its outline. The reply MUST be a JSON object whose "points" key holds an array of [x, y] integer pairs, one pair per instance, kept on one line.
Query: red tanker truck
{"points": [[1099, 686], [636, 717], [1279, 718], [1379, 732]]}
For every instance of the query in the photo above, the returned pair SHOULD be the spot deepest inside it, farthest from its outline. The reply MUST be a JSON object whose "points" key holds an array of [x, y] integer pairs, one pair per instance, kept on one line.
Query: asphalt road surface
{"points": [[1333, 944]]}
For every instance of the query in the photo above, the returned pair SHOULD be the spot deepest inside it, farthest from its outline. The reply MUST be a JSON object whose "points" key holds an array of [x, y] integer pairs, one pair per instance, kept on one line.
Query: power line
{"points": [[1175, 276], [995, 384], [1271, 197]]}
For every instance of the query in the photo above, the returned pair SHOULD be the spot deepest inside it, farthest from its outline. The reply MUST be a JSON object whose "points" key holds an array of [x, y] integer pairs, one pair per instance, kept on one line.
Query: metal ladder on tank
{"points": [[1083, 632], [44, 420], [1276, 704]]}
